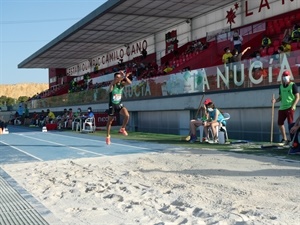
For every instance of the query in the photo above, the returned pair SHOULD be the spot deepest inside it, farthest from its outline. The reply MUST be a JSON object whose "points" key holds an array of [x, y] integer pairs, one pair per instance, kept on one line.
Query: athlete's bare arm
{"points": [[126, 80], [120, 78]]}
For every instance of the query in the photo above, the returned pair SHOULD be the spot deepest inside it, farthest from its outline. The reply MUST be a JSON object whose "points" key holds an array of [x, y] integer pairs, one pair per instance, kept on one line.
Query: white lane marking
{"points": [[55, 143], [131, 146], [26, 153]]}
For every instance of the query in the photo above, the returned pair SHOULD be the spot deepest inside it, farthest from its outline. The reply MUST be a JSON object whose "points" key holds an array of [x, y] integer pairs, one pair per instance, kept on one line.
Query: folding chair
{"points": [[75, 123], [89, 125], [222, 128]]}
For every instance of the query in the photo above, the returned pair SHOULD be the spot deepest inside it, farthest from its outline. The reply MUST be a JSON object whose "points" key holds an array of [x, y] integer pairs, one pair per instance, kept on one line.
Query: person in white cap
{"points": [[288, 98]]}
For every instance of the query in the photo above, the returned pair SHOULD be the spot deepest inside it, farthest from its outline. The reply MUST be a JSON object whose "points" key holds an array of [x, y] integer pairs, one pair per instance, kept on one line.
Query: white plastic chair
{"points": [[75, 123], [89, 125], [222, 128]]}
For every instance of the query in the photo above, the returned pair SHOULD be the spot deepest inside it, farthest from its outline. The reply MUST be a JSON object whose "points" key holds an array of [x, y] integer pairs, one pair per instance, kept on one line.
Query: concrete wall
{"points": [[250, 112]]}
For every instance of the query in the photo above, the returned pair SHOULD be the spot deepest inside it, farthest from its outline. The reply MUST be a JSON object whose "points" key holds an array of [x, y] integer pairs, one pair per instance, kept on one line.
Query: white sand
{"points": [[179, 187]]}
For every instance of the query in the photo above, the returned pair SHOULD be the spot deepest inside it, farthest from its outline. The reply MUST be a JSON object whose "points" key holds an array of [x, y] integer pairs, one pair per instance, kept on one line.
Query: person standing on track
{"points": [[115, 106], [288, 98]]}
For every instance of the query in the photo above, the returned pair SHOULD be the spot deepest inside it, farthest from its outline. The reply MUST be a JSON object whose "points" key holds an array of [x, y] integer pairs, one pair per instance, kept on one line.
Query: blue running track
{"points": [[31, 144]]}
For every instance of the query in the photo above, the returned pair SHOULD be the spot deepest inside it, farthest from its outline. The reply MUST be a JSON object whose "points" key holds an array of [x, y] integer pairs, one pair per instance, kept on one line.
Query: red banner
{"points": [[102, 118]]}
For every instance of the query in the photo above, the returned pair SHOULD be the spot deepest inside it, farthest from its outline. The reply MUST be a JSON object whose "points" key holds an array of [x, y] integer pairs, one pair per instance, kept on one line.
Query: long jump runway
{"points": [[31, 144], [22, 145]]}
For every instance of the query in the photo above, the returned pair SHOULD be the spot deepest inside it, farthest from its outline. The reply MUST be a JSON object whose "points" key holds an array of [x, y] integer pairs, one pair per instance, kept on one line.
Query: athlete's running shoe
{"points": [[123, 131], [108, 140]]}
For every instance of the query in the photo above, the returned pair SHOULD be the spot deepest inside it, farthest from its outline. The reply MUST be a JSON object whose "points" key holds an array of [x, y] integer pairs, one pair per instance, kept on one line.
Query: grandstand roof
{"points": [[114, 24]]}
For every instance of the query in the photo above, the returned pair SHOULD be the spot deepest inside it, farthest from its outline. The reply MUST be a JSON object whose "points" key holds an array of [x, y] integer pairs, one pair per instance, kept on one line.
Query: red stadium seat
{"points": [[271, 50], [292, 18], [278, 30], [288, 23], [294, 46], [269, 24], [294, 67], [188, 57], [292, 61], [263, 52], [281, 37], [276, 44], [281, 23], [270, 31]]}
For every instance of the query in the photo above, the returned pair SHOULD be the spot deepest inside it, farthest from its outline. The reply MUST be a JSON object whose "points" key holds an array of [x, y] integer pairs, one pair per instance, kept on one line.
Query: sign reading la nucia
{"points": [[200, 81]]}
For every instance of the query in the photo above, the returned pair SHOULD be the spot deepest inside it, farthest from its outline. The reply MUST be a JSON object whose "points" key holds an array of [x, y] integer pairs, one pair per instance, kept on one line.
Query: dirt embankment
{"points": [[25, 89]]}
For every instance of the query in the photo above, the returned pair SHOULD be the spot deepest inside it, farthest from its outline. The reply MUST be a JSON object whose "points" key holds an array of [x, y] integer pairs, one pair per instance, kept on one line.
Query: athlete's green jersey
{"points": [[116, 94]]}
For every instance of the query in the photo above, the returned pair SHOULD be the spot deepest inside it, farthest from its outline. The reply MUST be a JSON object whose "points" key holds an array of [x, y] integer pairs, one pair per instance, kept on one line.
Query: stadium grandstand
{"points": [[174, 50]]}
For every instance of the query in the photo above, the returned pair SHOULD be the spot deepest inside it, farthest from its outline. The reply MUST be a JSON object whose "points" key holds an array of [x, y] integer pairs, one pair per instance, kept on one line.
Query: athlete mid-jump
{"points": [[115, 102]]}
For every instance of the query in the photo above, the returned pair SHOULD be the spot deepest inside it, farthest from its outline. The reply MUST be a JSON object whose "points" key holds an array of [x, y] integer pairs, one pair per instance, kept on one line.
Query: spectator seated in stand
{"points": [[266, 42], [235, 61], [61, 120], [286, 48], [88, 121], [68, 122], [277, 55], [42, 119], [21, 113], [90, 113], [257, 65], [195, 45], [262, 52], [34, 119], [215, 120], [295, 35], [237, 40], [226, 56], [16, 119], [167, 68], [190, 48], [199, 46], [144, 53], [195, 123], [50, 118], [76, 119], [96, 68]]}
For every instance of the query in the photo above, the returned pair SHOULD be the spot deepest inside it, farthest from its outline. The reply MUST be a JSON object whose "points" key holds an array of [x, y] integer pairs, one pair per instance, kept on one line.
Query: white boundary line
{"points": [[26, 153], [55, 143], [131, 146]]}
